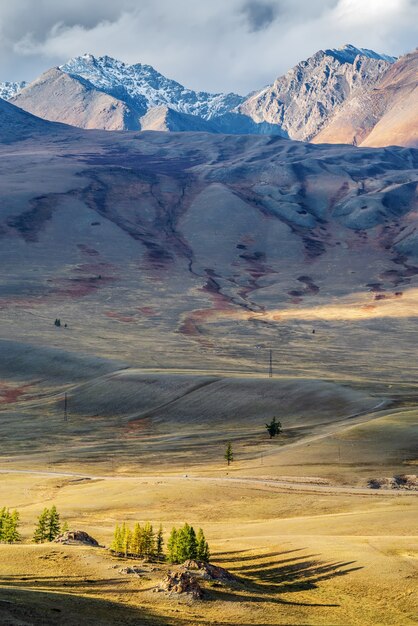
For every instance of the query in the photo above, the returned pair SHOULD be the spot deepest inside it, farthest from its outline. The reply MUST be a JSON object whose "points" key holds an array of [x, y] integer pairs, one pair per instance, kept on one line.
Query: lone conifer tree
{"points": [[229, 456], [274, 428]]}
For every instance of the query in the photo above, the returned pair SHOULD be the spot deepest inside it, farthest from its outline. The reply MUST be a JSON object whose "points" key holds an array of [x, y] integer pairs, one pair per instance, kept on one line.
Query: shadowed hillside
{"points": [[158, 250]]}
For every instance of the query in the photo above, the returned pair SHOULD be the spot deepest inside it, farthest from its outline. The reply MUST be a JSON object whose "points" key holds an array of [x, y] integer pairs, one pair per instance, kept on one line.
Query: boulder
{"points": [[180, 582], [207, 571], [76, 537], [402, 481]]}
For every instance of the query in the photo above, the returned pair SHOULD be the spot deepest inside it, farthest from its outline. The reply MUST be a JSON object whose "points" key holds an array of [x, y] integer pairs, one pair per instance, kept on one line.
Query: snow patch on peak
{"points": [[10, 89], [348, 54], [144, 87]]}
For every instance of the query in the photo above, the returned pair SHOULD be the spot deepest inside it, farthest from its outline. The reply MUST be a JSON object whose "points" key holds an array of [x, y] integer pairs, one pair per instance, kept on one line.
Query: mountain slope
{"points": [[163, 118], [17, 125], [58, 97], [165, 248], [384, 115], [303, 100]]}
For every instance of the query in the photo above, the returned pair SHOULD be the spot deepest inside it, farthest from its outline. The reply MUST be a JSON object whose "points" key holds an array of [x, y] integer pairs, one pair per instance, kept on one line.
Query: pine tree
{"points": [[41, 531], [64, 528], [186, 544], [229, 456], [274, 428], [126, 540], [117, 544], [148, 541], [172, 546], [136, 543], [160, 544], [191, 544], [203, 553], [3, 514], [9, 524], [11, 531], [53, 524]]}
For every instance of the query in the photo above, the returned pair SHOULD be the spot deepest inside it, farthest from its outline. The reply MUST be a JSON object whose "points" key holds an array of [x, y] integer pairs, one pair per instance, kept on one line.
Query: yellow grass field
{"points": [[292, 518]]}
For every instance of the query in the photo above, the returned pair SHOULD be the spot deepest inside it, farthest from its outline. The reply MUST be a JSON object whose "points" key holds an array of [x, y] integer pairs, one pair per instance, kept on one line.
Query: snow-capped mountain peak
{"points": [[348, 54], [144, 87], [10, 89]]}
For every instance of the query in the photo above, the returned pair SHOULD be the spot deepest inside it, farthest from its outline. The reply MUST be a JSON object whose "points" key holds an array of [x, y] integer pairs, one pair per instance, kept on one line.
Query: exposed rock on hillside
{"points": [[404, 481], [384, 115], [76, 537], [207, 571], [180, 582], [303, 101]]}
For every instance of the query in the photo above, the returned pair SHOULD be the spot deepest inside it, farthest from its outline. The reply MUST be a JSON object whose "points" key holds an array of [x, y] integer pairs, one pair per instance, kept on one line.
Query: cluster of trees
{"points": [[141, 541], [58, 323], [184, 544], [144, 542], [9, 526], [49, 526]]}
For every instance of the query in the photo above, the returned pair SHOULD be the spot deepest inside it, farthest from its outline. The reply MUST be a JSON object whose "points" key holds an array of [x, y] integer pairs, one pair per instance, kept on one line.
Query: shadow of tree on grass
{"points": [[267, 576]]}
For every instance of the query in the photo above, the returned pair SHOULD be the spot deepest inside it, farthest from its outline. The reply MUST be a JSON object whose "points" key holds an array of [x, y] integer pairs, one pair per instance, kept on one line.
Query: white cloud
{"points": [[235, 45]]}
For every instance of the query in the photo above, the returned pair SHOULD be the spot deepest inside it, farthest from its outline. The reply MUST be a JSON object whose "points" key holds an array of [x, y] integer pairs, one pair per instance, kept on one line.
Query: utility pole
{"points": [[65, 407], [271, 364]]}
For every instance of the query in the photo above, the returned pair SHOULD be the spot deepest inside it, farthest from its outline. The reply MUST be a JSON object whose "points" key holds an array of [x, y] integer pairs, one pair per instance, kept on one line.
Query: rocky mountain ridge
{"points": [[303, 100], [142, 87], [309, 103]]}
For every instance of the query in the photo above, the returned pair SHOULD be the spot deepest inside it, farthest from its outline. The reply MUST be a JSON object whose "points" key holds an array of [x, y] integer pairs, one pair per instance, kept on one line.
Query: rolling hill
{"points": [[161, 248]]}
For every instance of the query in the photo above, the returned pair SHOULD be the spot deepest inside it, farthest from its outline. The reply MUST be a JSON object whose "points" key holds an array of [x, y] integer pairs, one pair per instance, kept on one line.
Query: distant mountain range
{"points": [[347, 95]]}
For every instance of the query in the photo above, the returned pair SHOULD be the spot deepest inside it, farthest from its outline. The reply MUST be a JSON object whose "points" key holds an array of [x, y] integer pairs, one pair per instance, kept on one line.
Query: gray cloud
{"points": [[259, 14], [217, 45]]}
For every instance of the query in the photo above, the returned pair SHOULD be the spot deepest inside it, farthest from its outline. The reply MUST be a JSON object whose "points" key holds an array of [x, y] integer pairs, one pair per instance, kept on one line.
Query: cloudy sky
{"points": [[217, 45]]}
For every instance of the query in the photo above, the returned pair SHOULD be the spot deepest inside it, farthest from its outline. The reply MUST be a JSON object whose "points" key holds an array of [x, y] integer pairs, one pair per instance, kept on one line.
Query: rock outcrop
{"points": [[180, 582], [382, 116], [402, 481], [76, 537], [207, 571], [302, 101]]}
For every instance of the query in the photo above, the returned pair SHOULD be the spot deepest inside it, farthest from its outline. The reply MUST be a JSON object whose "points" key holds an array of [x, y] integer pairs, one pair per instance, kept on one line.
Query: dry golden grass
{"points": [[290, 517]]}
